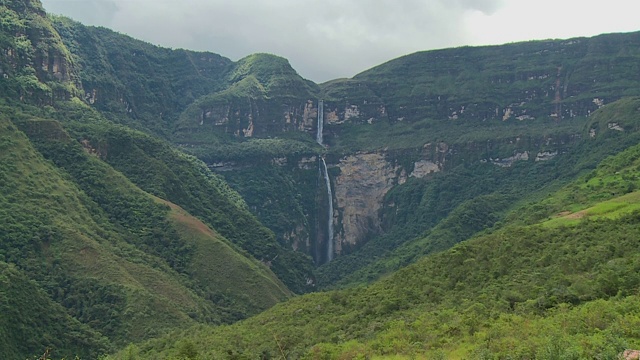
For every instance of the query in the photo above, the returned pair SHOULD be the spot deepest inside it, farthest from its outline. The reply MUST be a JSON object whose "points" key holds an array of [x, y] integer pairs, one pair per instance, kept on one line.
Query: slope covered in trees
{"points": [[543, 290]]}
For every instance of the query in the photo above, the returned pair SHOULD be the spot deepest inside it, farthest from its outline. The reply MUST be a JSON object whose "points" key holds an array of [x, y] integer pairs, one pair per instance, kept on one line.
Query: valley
{"points": [[473, 202]]}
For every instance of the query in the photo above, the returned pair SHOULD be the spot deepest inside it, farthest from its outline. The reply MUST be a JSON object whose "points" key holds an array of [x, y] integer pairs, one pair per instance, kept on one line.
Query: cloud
{"points": [[326, 39], [546, 19], [322, 39], [89, 12]]}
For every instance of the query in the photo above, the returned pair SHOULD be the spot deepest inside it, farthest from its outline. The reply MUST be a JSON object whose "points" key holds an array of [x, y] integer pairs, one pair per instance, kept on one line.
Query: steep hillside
{"points": [[34, 63], [423, 224], [157, 193], [424, 116], [558, 79], [429, 115], [117, 259], [265, 99], [135, 83], [545, 290], [163, 171], [31, 322]]}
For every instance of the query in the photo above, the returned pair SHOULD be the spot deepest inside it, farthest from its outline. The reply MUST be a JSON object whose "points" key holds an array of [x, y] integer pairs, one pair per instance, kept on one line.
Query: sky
{"points": [[329, 39]]}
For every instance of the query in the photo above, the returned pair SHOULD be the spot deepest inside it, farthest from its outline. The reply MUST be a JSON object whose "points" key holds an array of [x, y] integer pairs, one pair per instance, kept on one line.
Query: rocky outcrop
{"points": [[35, 66], [360, 188], [630, 354], [247, 117], [423, 168], [508, 162], [546, 155]]}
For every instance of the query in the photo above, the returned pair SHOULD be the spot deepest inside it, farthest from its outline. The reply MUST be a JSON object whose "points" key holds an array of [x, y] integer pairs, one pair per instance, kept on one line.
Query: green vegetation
{"points": [[434, 213], [31, 322], [274, 74], [521, 76], [523, 291], [116, 236], [114, 258], [34, 64], [161, 170], [566, 289], [135, 83]]}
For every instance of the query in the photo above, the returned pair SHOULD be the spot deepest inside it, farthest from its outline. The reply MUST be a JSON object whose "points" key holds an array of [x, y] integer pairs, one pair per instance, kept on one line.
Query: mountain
{"points": [[553, 282], [107, 258], [123, 262], [483, 200]]}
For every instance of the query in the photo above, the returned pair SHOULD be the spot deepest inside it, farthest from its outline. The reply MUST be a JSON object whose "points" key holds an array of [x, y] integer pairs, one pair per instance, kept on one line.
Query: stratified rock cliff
{"points": [[360, 188]]}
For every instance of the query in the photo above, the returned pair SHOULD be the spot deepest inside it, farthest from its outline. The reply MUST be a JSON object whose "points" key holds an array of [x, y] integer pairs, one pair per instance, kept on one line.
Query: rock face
{"points": [[360, 188], [246, 117], [34, 62], [507, 162], [423, 168]]}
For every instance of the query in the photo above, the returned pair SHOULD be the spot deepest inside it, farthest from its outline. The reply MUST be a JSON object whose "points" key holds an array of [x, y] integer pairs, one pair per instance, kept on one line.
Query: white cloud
{"points": [[338, 38], [551, 19]]}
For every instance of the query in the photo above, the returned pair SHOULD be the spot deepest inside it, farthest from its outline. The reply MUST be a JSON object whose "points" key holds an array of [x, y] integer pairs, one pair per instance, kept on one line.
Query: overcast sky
{"points": [[328, 39]]}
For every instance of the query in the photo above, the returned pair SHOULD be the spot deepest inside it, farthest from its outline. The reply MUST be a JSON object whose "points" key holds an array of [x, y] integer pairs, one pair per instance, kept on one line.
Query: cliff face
{"points": [[365, 178], [264, 97], [558, 79], [360, 188], [411, 117], [246, 117], [35, 66]]}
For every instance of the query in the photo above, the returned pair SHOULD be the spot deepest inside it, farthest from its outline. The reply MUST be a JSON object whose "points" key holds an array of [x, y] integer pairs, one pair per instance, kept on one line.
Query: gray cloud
{"points": [[89, 12], [322, 39]]}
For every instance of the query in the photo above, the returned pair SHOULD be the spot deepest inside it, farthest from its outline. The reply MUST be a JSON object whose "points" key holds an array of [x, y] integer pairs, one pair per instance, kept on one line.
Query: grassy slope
{"points": [[79, 245], [525, 291], [268, 289], [86, 234], [503, 293], [161, 170], [222, 271]]}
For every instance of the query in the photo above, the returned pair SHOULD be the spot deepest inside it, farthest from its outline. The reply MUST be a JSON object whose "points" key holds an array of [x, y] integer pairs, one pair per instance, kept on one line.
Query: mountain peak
{"points": [[273, 72]]}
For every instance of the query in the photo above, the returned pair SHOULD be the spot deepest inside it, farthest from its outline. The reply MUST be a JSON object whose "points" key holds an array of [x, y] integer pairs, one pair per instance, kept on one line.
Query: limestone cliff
{"points": [[359, 190], [248, 117], [35, 65]]}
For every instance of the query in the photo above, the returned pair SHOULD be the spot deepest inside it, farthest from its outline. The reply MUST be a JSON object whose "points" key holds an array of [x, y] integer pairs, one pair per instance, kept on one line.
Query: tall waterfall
{"points": [[320, 122], [327, 181], [325, 174]]}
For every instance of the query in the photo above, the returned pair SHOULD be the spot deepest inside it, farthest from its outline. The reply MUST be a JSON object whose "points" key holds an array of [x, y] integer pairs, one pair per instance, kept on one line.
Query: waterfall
{"points": [[320, 122], [327, 181], [325, 174]]}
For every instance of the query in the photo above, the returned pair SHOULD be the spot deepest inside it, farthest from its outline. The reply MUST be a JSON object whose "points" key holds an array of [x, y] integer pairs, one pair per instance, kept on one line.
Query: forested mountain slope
{"points": [[495, 194], [107, 262], [563, 286], [118, 259]]}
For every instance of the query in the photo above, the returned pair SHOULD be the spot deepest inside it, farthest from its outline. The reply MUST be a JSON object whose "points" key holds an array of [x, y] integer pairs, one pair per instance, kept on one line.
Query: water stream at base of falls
{"points": [[327, 181]]}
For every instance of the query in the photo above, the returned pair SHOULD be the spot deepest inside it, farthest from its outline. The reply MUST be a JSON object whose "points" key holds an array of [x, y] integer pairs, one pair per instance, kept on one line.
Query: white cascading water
{"points": [[320, 122], [325, 175], [327, 181]]}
